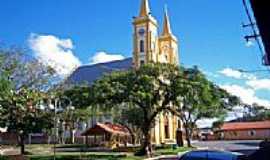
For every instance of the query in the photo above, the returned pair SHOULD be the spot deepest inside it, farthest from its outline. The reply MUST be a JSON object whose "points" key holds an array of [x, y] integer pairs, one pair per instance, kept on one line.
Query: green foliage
{"points": [[198, 98], [22, 80], [79, 96], [131, 116], [75, 157], [144, 88], [171, 151], [3, 157], [255, 112]]}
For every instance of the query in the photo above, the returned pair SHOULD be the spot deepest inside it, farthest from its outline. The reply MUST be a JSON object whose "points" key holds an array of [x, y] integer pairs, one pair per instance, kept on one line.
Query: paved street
{"points": [[246, 146]]}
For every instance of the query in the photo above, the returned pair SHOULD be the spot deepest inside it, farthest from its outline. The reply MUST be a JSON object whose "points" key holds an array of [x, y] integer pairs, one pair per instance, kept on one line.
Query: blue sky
{"points": [[209, 32]]}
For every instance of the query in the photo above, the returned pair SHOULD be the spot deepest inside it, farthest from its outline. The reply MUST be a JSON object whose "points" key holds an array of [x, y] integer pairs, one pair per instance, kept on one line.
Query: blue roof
{"points": [[87, 74]]}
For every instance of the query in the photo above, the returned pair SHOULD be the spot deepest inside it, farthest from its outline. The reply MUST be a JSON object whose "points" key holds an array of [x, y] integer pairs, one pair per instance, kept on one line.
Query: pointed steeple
{"points": [[166, 24], [145, 10]]}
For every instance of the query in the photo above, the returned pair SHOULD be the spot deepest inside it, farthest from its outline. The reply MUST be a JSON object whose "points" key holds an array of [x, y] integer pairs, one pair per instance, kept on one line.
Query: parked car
{"points": [[263, 153], [212, 155]]}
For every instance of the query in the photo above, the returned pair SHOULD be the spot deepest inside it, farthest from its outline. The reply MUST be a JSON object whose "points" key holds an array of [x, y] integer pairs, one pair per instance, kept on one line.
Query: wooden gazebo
{"points": [[108, 134]]}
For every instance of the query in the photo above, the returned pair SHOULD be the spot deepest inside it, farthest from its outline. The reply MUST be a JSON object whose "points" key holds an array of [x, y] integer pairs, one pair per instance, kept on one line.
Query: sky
{"points": [[70, 33]]}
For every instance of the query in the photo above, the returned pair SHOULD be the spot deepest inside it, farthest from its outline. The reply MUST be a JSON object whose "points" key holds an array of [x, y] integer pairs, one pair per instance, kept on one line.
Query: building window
{"points": [[179, 124], [142, 62], [141, 46], [252, 133], [166, 127], [166, 58]]}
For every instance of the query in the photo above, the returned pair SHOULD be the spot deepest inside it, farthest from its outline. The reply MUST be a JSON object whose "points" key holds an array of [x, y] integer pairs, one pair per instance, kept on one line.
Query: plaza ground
{"points": [[45, 152], [42, 152], [243, 146]]}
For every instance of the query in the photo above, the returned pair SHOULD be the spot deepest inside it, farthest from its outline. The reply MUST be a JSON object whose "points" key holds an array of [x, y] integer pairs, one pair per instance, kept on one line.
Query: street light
{"points": [[57, 102], [56, 108]]}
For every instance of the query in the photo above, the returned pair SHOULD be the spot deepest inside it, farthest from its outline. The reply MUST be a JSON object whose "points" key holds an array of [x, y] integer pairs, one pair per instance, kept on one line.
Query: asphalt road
{"points": [[246, 146]]}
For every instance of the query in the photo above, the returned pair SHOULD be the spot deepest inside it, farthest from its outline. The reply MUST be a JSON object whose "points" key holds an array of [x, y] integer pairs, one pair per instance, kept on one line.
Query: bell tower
{"points": [[168, 43], [145, 37]]}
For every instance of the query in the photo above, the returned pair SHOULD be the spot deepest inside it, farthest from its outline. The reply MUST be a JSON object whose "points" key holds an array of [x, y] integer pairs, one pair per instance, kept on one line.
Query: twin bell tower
{"points": [[148, 44]]}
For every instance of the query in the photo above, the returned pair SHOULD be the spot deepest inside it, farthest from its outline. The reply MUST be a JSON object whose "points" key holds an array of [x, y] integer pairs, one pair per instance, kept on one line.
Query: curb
{"points": [[162, 156], [167, 156]]}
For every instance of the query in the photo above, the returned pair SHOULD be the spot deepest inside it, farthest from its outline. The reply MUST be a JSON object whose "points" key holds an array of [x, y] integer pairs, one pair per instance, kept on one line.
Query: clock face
{"points": [[165, 47], [141, 32]]}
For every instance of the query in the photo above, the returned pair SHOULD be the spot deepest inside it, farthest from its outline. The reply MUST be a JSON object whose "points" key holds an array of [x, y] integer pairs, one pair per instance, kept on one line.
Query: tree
{"points": [[197, 98], [147, 88], [255, 112], [131, 117], [77, 96], [23, 82]]}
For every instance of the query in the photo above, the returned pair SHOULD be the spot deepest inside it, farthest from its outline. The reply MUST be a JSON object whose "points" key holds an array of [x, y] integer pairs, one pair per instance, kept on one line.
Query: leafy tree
{"points": [[77, 96], [197, 98], [255, 112], [131, 117], [147, 88], [22, 80], [72, 118]]}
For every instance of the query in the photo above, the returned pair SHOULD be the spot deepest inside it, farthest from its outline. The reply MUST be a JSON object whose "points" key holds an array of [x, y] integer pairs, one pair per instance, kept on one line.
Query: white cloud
{"points": [[102, 57], [229, 72], [247, 95], [249, 44], [259, 84], [203, 123], [210, 74], [55, 52]]}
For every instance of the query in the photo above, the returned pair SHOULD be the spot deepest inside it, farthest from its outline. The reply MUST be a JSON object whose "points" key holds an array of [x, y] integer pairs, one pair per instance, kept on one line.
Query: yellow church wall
{"points": [[171, 128], [162, 49], [157, 131]]}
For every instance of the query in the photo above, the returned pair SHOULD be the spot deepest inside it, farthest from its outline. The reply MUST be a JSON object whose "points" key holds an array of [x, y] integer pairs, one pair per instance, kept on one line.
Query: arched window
{"points": [[141, 46], [166, 127]]}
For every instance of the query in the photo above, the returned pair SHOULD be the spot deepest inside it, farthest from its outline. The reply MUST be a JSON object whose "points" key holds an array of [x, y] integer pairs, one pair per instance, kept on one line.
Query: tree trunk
{"points": [[147, 146], [179, 138], [133, 139], [72, 136], [188, 136], [22, 146]]}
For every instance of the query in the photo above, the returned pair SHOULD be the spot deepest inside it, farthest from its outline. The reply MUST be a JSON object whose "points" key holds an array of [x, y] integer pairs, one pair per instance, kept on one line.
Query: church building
{"points": [[148, 47]]}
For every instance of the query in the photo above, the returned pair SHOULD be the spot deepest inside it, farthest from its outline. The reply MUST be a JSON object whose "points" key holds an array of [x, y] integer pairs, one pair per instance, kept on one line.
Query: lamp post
{"points": [[57, 103]]}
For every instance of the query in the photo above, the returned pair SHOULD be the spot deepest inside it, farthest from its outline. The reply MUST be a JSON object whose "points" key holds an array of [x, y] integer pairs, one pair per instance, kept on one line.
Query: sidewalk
{"points": [[167, 157]]}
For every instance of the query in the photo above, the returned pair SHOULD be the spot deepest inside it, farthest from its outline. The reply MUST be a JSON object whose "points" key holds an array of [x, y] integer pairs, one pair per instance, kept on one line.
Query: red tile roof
{"points": [[101, 128], [246, 125]]}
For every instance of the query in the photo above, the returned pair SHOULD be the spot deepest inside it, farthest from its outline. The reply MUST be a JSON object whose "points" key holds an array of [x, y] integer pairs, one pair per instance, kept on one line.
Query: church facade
{"points": [[148, 46]]}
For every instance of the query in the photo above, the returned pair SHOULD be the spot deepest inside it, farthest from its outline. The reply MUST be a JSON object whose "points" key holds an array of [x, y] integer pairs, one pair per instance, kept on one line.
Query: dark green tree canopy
{"points": [[148, 89]]}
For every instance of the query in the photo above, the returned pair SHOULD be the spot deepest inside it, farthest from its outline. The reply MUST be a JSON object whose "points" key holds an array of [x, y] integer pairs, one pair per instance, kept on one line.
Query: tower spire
{"points": [[145, 10], [166, 23]]}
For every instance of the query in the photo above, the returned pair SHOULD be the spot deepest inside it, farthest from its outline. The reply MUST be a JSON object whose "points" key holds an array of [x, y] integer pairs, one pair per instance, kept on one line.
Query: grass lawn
{"points": [[45, 152], [170, 151], [89, 156]]}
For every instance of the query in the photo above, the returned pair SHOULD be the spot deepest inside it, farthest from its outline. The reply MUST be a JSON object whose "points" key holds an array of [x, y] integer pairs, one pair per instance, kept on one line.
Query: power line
{"points": [[252, 25]]}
